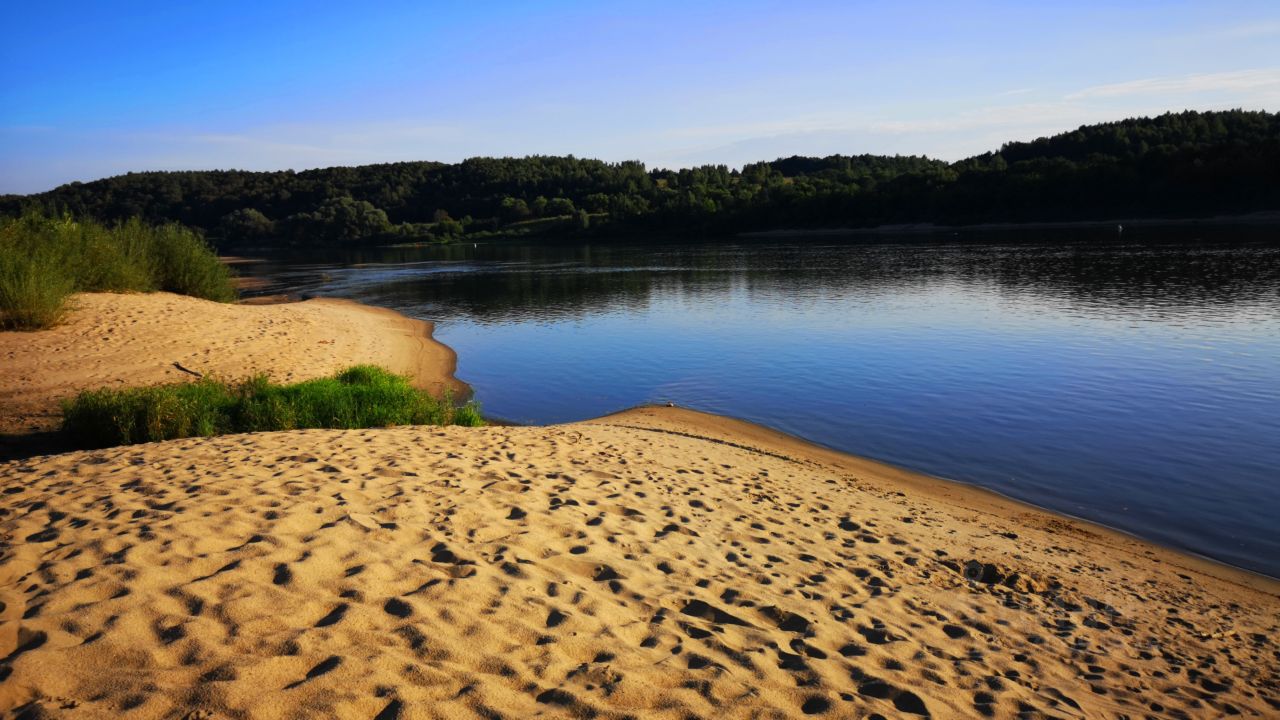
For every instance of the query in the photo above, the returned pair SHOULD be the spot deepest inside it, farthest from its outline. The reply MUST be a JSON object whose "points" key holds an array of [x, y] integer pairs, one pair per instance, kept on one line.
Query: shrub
{"points": [[33, 289], [43, 260], [104, 260], [101, 418], [185, 264], [359, 397]]}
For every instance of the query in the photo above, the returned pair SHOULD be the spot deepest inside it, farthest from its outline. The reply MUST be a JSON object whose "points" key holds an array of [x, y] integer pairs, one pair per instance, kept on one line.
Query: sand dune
{"points": [[653, 564], [135, 339]]}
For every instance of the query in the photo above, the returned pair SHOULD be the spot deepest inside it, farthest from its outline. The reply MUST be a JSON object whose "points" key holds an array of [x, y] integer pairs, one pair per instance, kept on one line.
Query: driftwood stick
{"points": [[187, 370]]}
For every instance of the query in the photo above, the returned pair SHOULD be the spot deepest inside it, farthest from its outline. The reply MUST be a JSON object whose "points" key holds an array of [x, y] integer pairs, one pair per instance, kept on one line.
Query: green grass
{"points": [[43, 260], [359, 397], [34, 288], [107, 417]]}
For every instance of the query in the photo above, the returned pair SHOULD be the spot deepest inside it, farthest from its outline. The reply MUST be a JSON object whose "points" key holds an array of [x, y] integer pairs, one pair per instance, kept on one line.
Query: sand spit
{"points": [[136, 339], [653, 564]]}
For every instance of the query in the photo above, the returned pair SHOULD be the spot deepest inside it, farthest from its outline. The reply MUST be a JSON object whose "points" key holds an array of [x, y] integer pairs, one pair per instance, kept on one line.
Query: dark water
{"points": [[1134, 381]]}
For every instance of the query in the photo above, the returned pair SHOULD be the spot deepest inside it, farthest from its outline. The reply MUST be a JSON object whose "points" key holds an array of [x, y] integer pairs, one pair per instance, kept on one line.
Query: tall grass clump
{"points": [[43, 260], [103, 418], [359, 397], [183, 263], [33, 288]]}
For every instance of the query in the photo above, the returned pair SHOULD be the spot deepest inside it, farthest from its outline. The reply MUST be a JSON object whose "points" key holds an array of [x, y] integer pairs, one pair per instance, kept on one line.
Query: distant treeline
{"points": [[1186, 164]]}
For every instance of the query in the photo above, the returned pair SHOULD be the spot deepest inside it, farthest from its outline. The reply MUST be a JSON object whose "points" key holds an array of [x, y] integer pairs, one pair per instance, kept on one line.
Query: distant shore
{"points": [[1260, 219]]}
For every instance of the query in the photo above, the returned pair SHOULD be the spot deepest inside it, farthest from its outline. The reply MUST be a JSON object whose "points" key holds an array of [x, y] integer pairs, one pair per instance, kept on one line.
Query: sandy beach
{"points": [[111, 340], [656, 563]]}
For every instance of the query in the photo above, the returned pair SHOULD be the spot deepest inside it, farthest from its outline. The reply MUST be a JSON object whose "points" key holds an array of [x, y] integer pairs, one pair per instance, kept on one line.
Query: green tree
{"points": [[445, 227], [514, 209], [340, 220], [1177, 164], [560, 206], [245, 224]]}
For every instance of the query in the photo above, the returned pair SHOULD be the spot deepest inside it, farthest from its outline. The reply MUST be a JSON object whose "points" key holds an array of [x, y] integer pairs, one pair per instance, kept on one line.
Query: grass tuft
{"points": [[43, 260], [359, 397]]}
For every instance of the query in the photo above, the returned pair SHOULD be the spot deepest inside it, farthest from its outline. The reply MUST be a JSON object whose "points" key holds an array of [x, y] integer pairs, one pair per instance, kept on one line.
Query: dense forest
{"points": [[1184, 164]]}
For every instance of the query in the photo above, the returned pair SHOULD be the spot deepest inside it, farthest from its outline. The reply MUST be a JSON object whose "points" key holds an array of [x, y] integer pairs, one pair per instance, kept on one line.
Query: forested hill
{"points": [[1176, 165]]}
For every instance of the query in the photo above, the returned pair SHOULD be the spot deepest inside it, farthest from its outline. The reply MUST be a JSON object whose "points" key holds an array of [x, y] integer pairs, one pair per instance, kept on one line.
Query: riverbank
{"points": [[118, 340], [654, 563]]}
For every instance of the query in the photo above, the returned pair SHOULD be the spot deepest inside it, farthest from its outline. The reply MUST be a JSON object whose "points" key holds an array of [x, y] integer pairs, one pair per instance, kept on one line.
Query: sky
{"points": [[94, 89]]}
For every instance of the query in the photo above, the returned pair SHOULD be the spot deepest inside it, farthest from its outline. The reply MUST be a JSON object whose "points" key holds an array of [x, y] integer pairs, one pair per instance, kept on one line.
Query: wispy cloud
{"points": [[793, 124], [1238, 81], [966, 130], [37, 157], [294, 145], [242, 143], [1251, 30]]}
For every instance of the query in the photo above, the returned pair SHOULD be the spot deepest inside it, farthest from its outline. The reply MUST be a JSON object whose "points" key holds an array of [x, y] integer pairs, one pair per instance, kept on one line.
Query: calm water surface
{"points": [[1134, 381]]}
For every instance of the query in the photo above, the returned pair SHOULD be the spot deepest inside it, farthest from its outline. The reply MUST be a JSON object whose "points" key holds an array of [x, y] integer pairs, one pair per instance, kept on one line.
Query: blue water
{"points": [[1133, 383]]}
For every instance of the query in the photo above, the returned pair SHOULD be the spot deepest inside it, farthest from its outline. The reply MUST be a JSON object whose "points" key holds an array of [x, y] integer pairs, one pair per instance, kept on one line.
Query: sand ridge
{"points": [[117, 340], [657, 563]]}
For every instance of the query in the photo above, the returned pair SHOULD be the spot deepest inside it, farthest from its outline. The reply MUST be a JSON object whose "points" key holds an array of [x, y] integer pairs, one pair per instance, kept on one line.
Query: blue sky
{"points": [[93, 89]]}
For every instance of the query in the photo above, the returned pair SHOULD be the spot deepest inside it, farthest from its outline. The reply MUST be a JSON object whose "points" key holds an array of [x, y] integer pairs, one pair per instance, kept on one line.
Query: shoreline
{"points": [[762, 438]]}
